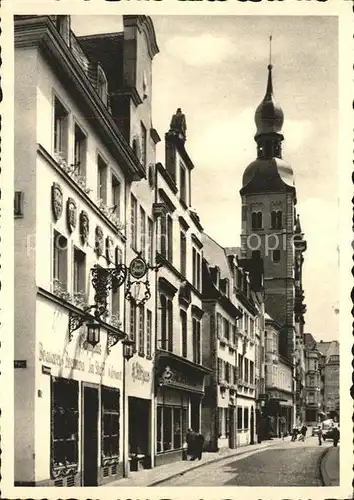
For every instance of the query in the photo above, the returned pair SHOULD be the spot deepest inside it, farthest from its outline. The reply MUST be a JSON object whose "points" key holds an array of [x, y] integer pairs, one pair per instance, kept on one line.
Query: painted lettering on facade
{"points": [[138, 373]]}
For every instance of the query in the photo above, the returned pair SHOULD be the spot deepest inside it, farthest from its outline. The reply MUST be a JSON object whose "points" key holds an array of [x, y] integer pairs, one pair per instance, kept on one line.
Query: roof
{"points": [[233, 251], [215, 255], [328, 348]]}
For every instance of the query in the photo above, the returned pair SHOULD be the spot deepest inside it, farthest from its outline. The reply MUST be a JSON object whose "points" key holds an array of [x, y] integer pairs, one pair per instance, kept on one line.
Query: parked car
{"points": [[327, 429]]}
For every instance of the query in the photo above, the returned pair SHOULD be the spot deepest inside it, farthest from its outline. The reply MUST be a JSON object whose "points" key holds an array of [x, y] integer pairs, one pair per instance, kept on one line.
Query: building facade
{"points": [[179, 372], [330, 378], [75, 169]]}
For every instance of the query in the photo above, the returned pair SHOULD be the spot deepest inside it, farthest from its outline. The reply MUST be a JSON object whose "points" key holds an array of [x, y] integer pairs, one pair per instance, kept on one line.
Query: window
{"points": [[143, 144], [166, 324], [226, 329], [142, 232], [221, 422], [65, 421], [169, 238], [102, 89], [183, 187], [18, 204], [227, 372], [171, 427], [150, 241], [196, 341], [227, 421], [116, 194], [80, 145], [101, 180], [141, 349], [115, 302], [110, 422], [246, 418], [239, 418], [79, 285], [60, 252], [219, 324], [133, 221], [183, 319], [257, 220], [276, 219], [148, 333], [196, 263], [60, 130], [220, 370], [276, 255], [183, 253], [133, 324], [251, 372], [240, 366], [246, 370]]}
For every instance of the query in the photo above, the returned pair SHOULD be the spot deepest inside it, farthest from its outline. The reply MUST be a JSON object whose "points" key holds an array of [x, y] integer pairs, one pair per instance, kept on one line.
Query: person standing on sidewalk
{"points": [[199, 445], [191, 440], [335, 436]]}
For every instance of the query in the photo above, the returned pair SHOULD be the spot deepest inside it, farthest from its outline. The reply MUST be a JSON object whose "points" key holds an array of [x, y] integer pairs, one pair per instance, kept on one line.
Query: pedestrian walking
{"points": [[319, 435], [303, 433], [191, 440], [199, 445], [335, 436], [294, 434]]}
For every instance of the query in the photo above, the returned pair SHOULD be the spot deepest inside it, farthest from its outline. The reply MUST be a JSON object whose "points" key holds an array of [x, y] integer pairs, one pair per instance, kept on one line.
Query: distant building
{"points": [[312, 380], [330, 377]]}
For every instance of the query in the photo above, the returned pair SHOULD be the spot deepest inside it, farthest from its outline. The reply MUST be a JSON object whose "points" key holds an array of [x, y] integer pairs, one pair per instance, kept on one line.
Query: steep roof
{"points": [[215, 255]]}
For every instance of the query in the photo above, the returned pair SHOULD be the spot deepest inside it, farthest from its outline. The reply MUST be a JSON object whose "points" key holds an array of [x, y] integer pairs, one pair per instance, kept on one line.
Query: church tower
{"points": [[268, 217]]}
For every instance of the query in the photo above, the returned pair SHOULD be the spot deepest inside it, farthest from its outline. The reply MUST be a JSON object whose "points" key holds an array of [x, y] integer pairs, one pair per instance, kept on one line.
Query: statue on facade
{"points": [[178, 125]]}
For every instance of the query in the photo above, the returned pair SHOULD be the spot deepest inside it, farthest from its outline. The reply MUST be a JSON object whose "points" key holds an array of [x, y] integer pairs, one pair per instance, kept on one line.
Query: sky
{"points": [[215, 69]]}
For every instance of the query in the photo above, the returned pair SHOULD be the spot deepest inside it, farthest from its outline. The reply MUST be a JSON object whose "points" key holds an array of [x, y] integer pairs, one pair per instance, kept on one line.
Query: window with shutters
{"points": [[141, 349], [133, 221], [148, 333], [142, 232]]}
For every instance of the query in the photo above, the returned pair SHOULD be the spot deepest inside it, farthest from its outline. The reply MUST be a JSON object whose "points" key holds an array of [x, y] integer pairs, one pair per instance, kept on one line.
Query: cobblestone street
{"points": [[286, 464]]}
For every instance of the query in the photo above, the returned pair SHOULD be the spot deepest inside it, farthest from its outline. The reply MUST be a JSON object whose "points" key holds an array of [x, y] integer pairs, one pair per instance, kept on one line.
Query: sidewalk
{"points": [[330, 467], [153, 477]]}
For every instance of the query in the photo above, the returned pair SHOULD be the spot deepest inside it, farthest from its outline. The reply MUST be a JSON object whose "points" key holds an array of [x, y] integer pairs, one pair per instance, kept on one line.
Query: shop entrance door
{"points": [[90, 435], [232, 441], [195, 414], [139, 426]]}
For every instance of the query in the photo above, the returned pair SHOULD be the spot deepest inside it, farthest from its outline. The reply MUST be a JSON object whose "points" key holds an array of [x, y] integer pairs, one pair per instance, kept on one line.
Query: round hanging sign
{"points": [[138, 268]]}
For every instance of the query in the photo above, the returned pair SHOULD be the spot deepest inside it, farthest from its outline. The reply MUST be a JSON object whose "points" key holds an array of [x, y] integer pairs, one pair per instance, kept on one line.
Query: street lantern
{"points": [[127, 348], [93, 333]]}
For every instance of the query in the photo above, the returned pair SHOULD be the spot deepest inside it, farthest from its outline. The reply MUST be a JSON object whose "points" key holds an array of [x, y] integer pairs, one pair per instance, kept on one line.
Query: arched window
{"points": [[276, 218], [257, 220]]}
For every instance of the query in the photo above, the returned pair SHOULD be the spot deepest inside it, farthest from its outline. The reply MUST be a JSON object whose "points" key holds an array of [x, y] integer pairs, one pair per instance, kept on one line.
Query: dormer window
{"points": [[102, 86], [257, 220], [276, 219], [215, 276]]}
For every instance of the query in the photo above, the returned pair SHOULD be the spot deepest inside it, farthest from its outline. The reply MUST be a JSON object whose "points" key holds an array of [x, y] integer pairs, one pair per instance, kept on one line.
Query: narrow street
{"points": [[286, 464]]}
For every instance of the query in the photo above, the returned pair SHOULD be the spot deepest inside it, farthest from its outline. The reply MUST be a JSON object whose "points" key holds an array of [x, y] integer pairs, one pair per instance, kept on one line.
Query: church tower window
{"points": [[257, 220], [276, 219], [276, 256]]}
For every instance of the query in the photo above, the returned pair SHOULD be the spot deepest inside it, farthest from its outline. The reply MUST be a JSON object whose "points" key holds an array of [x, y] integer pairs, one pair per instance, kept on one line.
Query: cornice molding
{"points": [[41, 32]]}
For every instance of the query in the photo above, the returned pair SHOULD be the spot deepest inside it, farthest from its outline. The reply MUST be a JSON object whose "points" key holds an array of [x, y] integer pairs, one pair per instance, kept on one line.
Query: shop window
{"points": [[79, 285], [133, 221], [257, 220], [61, 118], [183, 318], [142, 232], [141, 350], [183, 253], [246, 418], [110, 422], [159, 446], [177, 428], [60, 261], [276, 219], [150, 241], [102, 180], [133, 324], [80, 149], [167, 428], [65, 421], [239, 418]]}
